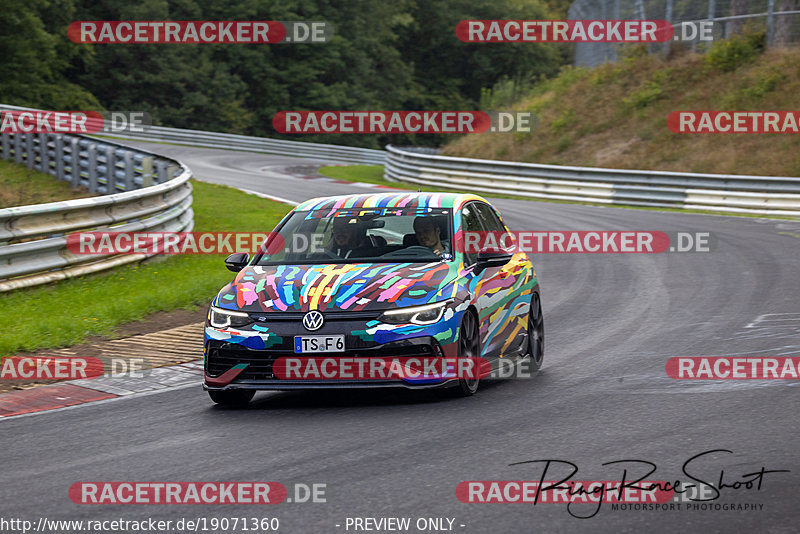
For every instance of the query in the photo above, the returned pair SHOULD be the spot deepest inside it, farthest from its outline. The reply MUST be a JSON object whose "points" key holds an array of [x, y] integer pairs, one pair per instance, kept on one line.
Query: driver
{"points": [[429, 234], [348, 235]]}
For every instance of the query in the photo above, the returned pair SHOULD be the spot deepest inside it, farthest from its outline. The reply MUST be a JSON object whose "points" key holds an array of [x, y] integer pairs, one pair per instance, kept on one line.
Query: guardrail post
{"points": [[171, 169], [614, 48], [18, 148], [770, 22], [111, 170], [30, 156], [147, 171], [92, 153], [161, 171], [6, 146], [59, 155], [128, 160], [75, 157], [43, 157], [711, 15], [668, 18]]}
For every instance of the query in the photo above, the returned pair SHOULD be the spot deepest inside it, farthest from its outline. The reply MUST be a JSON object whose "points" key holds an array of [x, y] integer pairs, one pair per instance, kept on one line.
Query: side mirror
{"points": [[236, 262], [491, 258]]}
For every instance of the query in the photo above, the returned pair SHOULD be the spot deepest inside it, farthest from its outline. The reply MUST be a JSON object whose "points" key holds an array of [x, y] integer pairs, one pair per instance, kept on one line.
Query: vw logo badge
{"points": [[313, 320]]}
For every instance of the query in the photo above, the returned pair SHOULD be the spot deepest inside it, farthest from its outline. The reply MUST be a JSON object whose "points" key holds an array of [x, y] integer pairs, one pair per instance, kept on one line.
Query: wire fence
{"points": [[779, 20]]}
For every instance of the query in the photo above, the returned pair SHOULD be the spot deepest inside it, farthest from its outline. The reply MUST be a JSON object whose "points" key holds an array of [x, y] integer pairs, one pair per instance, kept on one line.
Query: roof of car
{"points": [[405, 199]]}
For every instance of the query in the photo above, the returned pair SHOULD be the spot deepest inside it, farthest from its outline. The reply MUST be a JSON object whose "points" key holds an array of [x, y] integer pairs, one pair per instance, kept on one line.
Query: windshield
{"points": [[371, 235]]}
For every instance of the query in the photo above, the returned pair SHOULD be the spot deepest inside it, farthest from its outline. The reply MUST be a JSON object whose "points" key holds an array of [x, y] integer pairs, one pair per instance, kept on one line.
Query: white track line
{"points": [[269, 197], [197, 385]]}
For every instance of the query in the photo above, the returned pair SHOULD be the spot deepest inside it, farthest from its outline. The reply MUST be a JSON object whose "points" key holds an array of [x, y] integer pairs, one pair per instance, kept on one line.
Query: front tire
{"points": [[536, 333], [235, 398], [469, 346]]}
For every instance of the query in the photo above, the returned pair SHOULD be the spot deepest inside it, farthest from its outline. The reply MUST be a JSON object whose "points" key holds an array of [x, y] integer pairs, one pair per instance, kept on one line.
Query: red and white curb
{"points": [[77, 392]]}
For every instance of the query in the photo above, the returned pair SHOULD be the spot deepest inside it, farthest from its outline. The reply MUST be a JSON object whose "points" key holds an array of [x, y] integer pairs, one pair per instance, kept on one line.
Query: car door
{"points": [[513, 295], [488, 288]]}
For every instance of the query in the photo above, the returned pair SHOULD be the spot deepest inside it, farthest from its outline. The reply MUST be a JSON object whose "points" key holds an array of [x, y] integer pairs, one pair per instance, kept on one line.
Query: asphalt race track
{"points": [[611, 321]]}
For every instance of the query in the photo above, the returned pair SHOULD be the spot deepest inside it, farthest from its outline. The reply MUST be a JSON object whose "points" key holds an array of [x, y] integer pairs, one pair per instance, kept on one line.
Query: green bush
{"points": [[653, 90], [752, 92], [764, 85], [729, 54], [564, 142], [564, 120]]}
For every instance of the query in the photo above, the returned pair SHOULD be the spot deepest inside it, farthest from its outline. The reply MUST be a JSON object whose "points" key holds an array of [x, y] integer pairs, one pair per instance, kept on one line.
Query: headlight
{"points": [[422, 315], [220, 318]]}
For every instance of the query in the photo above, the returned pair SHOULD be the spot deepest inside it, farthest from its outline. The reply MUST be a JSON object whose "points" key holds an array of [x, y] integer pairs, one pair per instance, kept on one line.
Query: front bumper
{"points": [[244, 359]]}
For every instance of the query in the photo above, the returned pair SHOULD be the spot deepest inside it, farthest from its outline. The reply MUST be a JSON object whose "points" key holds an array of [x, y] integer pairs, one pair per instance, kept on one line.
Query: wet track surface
{"points": [[611, 320]]}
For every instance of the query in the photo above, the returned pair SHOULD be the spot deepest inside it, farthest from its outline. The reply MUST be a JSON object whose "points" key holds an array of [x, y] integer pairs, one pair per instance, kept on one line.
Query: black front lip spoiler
{"points": [[285, 385]]}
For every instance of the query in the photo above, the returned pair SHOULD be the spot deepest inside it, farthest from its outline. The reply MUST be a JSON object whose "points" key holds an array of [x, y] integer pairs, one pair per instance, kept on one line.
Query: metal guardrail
{"points": [[765, 195], [142, 192], [262, 145]]}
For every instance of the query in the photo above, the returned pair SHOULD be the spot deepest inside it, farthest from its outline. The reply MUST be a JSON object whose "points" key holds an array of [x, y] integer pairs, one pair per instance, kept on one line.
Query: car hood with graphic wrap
{"points": [[338, 287]]}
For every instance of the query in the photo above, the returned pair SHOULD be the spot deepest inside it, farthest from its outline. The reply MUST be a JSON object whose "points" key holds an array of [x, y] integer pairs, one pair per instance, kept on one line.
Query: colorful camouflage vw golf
{"points": [[374, 291]]}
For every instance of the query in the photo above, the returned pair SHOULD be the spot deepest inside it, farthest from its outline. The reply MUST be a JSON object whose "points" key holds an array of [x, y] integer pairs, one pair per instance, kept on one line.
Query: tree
{"points": [[34, 57]]}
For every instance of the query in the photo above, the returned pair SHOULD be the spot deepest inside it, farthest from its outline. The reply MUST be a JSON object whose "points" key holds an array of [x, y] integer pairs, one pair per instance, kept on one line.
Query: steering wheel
{"points": [[331, 254], [413, 250]]}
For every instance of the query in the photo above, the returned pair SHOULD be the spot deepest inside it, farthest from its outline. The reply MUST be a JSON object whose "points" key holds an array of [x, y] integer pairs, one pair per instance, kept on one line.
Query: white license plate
{"points": [[319, 343]]}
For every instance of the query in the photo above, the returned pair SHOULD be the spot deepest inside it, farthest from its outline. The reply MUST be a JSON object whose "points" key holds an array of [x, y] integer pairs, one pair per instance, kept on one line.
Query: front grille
{"points": [[259, 362]]}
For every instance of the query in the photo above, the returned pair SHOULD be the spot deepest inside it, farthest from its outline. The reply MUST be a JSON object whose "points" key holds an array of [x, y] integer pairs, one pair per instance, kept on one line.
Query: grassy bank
{"points": [[67, 312], [20, 185], [370, 174], [615, 115]]}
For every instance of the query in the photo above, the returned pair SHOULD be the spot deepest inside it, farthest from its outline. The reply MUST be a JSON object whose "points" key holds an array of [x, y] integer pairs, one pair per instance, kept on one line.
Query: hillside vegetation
{"points": [[615, 115], [383, 55]]}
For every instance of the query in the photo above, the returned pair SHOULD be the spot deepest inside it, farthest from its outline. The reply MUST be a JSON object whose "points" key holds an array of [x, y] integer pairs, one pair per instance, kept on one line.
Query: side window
{"points": [[470, 222], [493, 223], [490, 218]]}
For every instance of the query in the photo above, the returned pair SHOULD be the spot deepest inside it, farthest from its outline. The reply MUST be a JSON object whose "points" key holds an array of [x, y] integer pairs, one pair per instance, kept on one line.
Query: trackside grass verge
{"points": [[68, 312], [20, 186], [371, 174]]}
